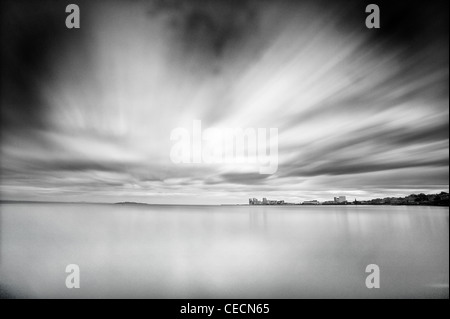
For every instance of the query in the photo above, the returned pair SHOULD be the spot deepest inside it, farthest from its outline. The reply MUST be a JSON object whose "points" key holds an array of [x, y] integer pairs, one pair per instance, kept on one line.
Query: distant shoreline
{"points": [[184, 205], [98, 203]]}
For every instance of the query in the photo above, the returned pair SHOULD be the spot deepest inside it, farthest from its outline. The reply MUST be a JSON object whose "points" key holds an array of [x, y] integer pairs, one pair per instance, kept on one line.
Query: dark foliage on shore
{"points": [[440, 199]]}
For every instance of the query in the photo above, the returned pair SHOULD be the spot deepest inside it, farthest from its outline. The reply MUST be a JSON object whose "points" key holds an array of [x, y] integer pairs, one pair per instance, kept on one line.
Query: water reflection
{"points": [[229, 251], [258, 220]]}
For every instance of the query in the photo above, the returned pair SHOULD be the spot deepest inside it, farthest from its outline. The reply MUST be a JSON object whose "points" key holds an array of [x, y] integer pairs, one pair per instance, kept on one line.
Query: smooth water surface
{"points": [[223, 251]]}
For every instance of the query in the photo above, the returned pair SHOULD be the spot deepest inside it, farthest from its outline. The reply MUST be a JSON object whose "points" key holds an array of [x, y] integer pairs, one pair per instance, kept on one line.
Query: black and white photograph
{"points": [[224, 149]]}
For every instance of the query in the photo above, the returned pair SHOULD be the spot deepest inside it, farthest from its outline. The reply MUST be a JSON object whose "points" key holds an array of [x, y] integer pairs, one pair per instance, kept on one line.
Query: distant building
{"points": [[311, 202], [265, 201], [340, 199]]}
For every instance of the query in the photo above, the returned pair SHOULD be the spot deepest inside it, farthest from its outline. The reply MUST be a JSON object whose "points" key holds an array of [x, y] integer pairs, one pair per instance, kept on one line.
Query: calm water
{"points": [[221, 252]]}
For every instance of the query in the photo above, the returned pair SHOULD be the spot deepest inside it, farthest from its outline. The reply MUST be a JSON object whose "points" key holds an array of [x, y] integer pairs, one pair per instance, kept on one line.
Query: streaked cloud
{"points": [[87, 113]]}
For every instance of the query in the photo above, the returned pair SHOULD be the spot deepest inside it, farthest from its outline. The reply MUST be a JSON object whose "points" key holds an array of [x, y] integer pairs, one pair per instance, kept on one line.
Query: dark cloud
{"points": [[242, 178], [33, 32], [81, 165], [335, 167], [381, 137], [412, 24], [208, 27]]}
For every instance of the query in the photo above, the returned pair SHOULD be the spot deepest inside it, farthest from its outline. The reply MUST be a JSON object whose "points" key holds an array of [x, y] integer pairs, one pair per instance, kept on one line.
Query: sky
{"points": [[87, 114]]}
